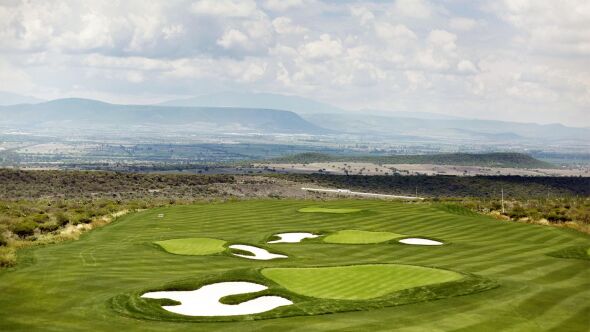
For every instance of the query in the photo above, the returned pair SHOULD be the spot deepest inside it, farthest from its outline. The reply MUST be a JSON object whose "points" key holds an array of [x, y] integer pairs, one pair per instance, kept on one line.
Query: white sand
{"points": [[205, 300], [421, 242], [259, 253], [293, 237]]}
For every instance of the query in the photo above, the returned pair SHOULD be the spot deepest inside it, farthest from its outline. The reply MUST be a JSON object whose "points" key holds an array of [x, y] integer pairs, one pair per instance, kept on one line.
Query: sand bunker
{"points": [[293, 237], [259, 253], [205, 300], [421, 242]]}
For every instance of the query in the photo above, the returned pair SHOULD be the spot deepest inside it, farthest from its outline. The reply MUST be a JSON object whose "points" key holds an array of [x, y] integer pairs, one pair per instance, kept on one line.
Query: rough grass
{"points": [[92, 284], [357, 282], [350, 236], [328, 210], [193, 246]]}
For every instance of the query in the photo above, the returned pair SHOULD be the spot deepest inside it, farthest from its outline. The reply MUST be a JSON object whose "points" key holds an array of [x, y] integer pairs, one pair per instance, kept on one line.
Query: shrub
{"points": [[48, 227], [24, 228], [3, 241], [62, 219]]}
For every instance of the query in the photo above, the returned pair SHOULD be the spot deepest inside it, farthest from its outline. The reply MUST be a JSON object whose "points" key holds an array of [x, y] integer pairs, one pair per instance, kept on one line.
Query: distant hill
{"points": [[7, 98], [446, 128], [256, 100], [497, 159], [86, 113]]}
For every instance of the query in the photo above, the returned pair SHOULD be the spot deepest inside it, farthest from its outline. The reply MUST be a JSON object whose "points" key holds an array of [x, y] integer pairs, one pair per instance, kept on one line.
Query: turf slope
{"points": [[357, 282], [192, 246], [349, 236]]}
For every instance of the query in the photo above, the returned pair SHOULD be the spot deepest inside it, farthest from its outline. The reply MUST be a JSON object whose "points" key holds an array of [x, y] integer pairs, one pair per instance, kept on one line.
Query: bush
{"points": [[3, 241], [48, 227], [62, 219], [24, 228], [39, 218]]}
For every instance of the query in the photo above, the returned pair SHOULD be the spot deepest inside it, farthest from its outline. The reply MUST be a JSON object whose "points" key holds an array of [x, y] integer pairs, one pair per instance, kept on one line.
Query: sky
{"points": [[514, 60]]}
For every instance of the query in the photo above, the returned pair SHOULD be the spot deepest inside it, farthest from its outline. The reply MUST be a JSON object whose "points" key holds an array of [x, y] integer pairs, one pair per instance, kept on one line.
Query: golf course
{"points": [[356, 275]]}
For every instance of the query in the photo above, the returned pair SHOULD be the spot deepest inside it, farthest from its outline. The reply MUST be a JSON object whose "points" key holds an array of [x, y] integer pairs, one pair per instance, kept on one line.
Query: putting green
{"points": [[327, 210], [357, 282], [350, 236], [196, 246]]}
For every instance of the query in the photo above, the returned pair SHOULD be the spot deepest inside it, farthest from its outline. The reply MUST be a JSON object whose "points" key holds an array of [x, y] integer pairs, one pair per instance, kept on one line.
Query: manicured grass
{"points": [[574, 252], [93, 284], [192, 246], [328, 210], [350, 236], [357, 282]]}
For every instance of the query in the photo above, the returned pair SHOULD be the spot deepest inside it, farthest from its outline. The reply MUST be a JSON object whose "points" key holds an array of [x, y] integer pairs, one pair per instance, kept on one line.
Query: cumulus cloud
{"points": [[324, 47], [226, 8], [284, 25], [360, 55]]}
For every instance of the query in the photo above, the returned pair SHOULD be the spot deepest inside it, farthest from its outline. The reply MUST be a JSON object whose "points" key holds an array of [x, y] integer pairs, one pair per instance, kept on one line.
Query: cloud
{"points": [[324, 47], [284, 25], [225, 8], [462, 23], [283, 5], [416, 54], [393, 32], [466, 66], [413, 8], [552, 26], [233, 38]]}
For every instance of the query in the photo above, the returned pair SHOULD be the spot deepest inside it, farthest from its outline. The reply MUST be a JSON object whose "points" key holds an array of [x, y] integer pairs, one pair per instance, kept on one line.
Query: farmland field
{"points": [[488, 276]]}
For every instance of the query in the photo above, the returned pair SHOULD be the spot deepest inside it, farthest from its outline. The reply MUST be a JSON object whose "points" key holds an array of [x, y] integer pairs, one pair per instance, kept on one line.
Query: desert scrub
{"points": [[7, 256]]}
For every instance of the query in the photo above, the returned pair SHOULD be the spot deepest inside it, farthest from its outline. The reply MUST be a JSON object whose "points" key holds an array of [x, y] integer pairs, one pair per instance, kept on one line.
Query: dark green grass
{"points": [[72, 286]]}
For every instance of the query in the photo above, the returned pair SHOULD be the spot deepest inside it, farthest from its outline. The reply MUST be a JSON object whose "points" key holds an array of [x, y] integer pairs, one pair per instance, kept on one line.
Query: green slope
{"points": [[68, 287], [351, 236], [192, 246], [357, 282]]}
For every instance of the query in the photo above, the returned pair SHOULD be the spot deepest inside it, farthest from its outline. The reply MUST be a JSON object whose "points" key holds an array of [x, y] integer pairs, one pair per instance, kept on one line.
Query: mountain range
{"points": [[274, 113]]}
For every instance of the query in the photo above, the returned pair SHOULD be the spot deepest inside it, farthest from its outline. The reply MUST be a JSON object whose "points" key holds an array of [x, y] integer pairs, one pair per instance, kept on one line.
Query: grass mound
{"points": [[196, 246], [328, 210], [357, 282], [360, 237], [133, 305]]}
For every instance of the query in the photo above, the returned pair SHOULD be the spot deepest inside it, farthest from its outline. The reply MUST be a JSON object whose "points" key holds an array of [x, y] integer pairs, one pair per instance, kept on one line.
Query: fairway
{"points": [[493, 275], [192, 246], [360, 237], [328, 210], [357, 282]]}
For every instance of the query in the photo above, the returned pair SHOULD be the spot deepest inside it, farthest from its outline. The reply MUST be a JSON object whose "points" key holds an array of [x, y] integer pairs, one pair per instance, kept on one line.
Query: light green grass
{"points": [[349, 236], [357, 282], [193, 246], [69, 286], [328, 210]]}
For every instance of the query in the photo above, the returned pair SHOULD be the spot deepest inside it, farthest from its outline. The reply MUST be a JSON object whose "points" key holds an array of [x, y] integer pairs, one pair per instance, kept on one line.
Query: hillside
{"points": [[7, 98], [85, 113], [497, 159], [408, 124], [296, 104]]}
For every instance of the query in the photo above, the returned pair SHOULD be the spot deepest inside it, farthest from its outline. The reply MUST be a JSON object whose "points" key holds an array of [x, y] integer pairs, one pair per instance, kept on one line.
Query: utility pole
{"points": [[416, 192], [503, 211]]}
